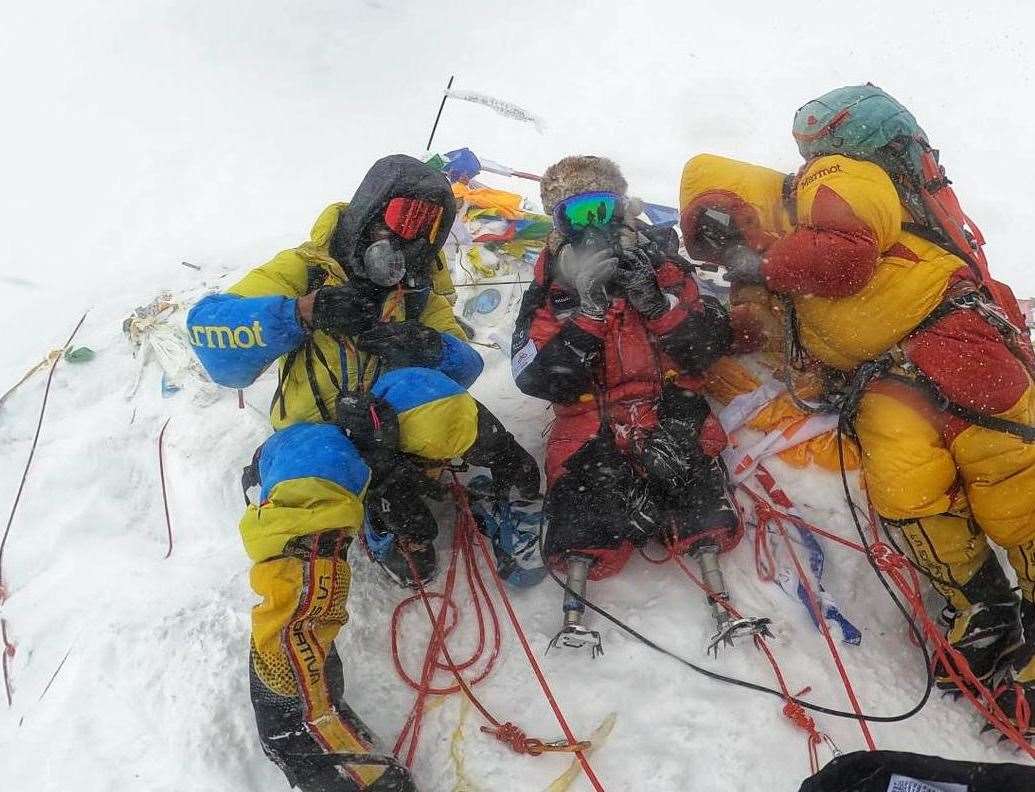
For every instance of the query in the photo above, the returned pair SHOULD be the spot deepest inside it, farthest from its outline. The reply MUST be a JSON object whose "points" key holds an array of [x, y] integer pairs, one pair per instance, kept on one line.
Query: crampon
{"points": [[577, 636], [732, 629]]}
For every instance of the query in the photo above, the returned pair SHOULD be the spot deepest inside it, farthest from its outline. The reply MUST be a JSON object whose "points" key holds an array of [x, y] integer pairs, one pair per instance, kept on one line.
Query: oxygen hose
{"points": [[714, 675]]}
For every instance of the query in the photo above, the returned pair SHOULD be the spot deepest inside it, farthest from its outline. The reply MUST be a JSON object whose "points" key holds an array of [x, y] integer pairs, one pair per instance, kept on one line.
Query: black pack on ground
{"points": [[873, 771]]}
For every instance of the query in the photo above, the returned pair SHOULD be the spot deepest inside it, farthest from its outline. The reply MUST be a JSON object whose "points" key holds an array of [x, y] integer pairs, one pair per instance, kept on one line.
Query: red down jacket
{"points": [[615, 367]]}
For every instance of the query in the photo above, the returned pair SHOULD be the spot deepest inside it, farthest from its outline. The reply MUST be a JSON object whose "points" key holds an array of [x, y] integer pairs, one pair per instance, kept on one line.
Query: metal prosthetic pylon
{"points": [[574, 634], [727, 627]]}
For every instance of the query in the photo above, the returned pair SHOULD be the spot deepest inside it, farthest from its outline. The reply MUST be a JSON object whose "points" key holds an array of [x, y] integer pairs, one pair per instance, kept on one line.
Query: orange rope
{"points": [[465, 537]]}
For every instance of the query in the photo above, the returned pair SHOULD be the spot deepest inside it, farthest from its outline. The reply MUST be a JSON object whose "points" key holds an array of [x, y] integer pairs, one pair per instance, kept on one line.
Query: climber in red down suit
{"points": [[616, 335]]}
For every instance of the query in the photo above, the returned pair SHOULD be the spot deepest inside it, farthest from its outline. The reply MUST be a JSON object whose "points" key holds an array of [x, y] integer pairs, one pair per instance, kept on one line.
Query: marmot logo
{"points": [[836, 168], [213, 336]]}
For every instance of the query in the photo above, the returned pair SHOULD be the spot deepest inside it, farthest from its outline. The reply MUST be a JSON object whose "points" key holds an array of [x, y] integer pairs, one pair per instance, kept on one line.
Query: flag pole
{"points": [[434, 126]]}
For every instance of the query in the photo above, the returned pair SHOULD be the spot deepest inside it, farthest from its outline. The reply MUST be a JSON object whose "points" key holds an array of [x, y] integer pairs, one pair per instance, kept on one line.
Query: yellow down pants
{"points": [[952, 487]]}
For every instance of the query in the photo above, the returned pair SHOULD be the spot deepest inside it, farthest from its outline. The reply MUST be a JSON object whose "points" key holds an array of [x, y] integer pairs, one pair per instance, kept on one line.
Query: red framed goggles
{"points": [[413, 217]]}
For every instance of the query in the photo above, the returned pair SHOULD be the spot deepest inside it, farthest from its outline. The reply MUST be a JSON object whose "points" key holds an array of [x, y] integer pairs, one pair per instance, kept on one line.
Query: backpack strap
{"points": [[314, 386], [278, 394], [415, 301], [1003, 425]]}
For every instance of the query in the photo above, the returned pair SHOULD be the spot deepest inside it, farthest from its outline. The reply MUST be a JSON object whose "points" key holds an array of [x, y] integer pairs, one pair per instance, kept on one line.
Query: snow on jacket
{"points": [[836, 239], [617, 365]]}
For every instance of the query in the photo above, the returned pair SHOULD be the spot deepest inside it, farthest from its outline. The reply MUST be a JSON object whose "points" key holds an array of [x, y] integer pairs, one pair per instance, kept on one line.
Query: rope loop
{"points": [[520, 743], [1022, 710], [800, 718], [885, 558], [513, 736]]}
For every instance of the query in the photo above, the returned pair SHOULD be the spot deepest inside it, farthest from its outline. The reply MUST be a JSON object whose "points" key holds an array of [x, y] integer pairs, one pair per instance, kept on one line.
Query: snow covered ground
{"points": [[139, 135]]}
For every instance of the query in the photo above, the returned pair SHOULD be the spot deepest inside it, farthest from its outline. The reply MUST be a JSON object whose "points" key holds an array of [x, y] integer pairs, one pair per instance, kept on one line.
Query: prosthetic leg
{"points": [[574, 634], [727, 628]]}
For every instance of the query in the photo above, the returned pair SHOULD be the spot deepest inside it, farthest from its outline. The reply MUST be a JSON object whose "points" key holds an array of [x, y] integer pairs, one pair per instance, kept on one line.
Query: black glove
{"points": [[588, 270], [345, 310], [402, 344], [672, 454], [510, 464], [743, 265], [373, 427], [670, 457], [637, 278], [398, 508]]}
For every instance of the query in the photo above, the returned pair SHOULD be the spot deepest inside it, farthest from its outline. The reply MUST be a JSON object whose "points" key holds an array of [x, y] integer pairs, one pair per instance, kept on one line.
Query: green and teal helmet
{"points": [[858, 121]]}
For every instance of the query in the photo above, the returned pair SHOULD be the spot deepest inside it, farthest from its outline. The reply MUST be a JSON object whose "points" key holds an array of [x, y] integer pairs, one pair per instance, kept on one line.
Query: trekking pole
{"points": [[434, 126]]}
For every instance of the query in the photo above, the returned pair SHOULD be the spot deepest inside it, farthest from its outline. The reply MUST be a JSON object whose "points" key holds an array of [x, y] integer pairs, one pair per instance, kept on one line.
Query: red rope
{"points": [[569, 735], [766, 514], [817, 608], [792, 710], [892, 564], [955, 665], [663, 560], [28, 462], [437, 645], [464, 538], [800, 718], [412, 727], [165, 494]]}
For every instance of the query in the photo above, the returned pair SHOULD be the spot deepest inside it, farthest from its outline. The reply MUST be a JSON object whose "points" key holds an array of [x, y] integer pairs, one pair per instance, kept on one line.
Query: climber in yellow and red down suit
{"points": [[873, 277], [372, 391], [616, 335]]}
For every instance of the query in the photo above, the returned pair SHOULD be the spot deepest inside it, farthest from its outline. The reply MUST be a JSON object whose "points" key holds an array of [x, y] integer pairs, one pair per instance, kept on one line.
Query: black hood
{"points": [[391, 176]]}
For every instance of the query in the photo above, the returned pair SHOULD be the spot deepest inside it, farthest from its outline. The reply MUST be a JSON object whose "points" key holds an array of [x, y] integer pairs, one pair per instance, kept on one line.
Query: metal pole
{"points": [[434, 126], [578, 572], [708, 559]]}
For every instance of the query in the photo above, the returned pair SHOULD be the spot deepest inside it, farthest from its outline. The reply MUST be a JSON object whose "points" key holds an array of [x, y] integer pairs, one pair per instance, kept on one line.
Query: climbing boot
{"points": [[400, 530], [985, 634], [1016, 698], [395, 778]]}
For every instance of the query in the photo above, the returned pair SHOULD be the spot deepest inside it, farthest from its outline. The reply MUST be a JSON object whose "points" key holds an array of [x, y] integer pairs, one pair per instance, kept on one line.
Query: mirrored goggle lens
{"points": [[413, 217], [588, 209]]}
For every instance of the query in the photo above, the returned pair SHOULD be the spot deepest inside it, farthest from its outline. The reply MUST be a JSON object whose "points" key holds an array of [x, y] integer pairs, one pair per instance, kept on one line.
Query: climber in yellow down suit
{"points": [[372, 390], [865, 241]]}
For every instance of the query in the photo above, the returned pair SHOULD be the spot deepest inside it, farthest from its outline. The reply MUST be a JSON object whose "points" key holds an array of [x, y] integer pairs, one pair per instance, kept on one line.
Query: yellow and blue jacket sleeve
{"points": [[238, 334], [237, 338], [460, 362]]}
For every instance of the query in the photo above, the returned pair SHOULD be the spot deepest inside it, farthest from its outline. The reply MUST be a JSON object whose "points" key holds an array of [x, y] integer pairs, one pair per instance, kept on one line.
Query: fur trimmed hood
{"points": [[579, 174]]}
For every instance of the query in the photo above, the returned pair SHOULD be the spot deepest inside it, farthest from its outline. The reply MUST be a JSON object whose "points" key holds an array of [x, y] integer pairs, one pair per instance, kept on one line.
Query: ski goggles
{"points": [[585, 210], [413, 217]]}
